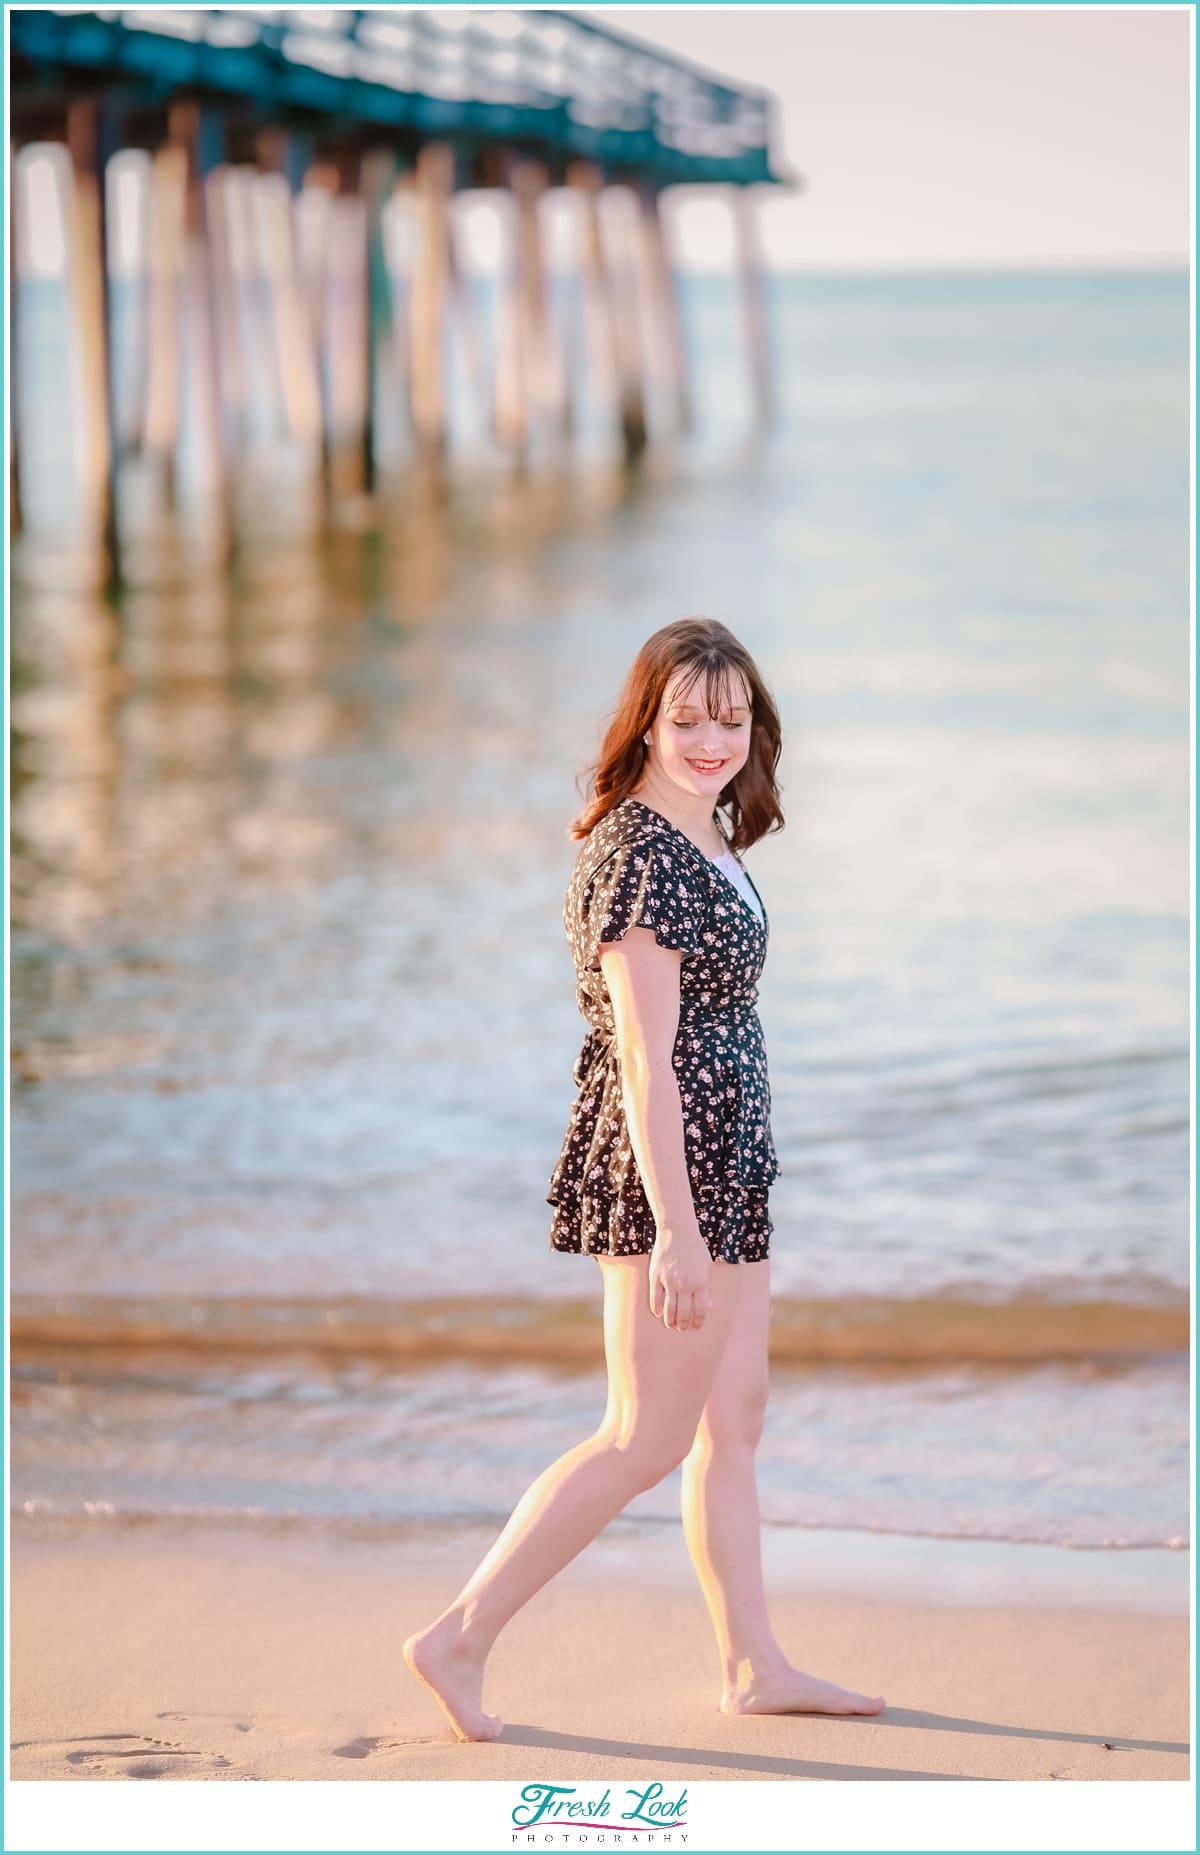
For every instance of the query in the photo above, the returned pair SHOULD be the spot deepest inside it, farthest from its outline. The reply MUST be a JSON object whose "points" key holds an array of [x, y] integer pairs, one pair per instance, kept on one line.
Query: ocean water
{"points": [[293, 1010]]}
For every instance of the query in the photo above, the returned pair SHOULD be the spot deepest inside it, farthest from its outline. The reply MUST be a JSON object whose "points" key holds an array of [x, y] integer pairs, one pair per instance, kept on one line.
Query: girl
{"points": [[664, 1173]]}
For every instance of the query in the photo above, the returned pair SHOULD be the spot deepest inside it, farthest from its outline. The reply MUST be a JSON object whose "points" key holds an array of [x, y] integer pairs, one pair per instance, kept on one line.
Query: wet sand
{"points": [[208, 1651]]}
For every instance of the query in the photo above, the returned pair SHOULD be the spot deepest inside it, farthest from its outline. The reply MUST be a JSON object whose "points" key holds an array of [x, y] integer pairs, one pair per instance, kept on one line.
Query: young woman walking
{"points": [[664, 1173]]}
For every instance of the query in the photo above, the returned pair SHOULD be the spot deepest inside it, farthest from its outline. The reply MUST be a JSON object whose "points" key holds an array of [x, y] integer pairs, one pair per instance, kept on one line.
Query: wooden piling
{"points": [[133, 426], [613, 312], [510, 397], [754, 310], [545, 395], [227, 333], [479, 364], [378, 179], [198, 133], [663, 295], [346, 354], [91, 139], [298, 295], [433, 184], [164, 384]]}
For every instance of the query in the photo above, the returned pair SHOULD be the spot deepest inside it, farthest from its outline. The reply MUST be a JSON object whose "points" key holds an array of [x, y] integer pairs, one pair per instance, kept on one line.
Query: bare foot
{"points": [[452, 1670], [790, 1690]]}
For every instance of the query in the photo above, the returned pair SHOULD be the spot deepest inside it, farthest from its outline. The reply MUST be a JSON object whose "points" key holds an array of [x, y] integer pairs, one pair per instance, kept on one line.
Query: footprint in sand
{"points": [[132, 1755], [239, 1725], [366, 1747]]}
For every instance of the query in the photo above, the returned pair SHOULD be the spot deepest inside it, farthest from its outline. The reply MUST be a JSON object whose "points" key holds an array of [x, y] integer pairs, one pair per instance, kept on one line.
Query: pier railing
{"points": [[556, 79]]}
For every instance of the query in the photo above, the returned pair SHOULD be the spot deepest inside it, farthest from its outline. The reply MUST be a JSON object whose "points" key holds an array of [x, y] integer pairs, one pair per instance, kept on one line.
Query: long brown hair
{"points": [[706, 648]]}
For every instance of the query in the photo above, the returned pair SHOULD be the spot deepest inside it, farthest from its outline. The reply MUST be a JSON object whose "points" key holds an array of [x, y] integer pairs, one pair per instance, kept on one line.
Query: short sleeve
{"points": [[644, 884]]}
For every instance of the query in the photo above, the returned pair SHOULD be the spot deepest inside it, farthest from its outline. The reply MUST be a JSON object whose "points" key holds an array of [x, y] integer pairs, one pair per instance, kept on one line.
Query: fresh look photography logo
{"points": [[562, 1813]]}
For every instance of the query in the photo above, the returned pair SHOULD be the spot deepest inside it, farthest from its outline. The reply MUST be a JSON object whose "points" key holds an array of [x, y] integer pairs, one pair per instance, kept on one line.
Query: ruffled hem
{"points": [[734, 1221]]}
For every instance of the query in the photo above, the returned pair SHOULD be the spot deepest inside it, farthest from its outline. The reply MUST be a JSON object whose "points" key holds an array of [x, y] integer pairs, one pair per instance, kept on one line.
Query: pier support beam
{"points": [[299, 293], [231, 371], [378, 181], [754, 310], [663, 295], [433, 184], [480, 363], [198, 133], [510, 391], [164, 358], [91, 139], [613, 309], [546, 399], [348, 357]]}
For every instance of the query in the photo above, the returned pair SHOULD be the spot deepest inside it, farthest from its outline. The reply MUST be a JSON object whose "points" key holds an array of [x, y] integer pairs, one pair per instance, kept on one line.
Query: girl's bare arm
{"points": [[643, 984]]}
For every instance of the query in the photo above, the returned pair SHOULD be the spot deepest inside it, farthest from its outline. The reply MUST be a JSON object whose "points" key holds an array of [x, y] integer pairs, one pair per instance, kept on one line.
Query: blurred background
{"points": [[379, 380]]}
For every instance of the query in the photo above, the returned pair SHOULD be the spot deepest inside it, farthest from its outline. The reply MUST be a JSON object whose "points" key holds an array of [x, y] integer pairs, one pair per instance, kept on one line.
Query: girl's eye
{"points": [[693, 724]]}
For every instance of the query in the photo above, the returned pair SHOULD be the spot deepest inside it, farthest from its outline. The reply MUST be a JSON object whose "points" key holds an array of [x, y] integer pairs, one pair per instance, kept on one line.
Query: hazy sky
{"points": [[959, 136]]}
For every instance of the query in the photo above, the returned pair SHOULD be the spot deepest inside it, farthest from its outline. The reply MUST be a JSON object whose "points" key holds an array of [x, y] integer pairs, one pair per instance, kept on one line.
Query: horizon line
{"points": [[1180, 267]]}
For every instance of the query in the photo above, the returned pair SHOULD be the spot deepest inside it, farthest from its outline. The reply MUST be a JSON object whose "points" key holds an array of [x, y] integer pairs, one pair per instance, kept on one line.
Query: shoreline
{"points": [[845, 1562], [200, 1650]]}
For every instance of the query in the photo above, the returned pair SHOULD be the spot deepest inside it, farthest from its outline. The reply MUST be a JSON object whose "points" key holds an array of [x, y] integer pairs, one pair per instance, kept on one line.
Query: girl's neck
{"points": [[699, 825]]}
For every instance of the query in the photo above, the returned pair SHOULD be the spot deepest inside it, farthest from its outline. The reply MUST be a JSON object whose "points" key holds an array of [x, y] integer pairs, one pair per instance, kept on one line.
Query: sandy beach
{"points": [[204, 1651]]}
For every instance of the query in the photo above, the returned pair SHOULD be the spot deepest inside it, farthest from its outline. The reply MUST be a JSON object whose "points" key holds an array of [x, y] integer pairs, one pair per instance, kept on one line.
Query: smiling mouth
{"points": [[707, 766]]}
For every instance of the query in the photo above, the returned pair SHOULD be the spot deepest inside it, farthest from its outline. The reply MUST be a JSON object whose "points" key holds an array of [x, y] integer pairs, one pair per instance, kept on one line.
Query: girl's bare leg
{"points": [[721, 1526], [658, 1380]]}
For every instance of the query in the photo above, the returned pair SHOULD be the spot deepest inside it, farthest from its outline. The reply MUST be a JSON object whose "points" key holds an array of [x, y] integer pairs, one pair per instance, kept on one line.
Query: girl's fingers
{"points": [[682, 1310]]}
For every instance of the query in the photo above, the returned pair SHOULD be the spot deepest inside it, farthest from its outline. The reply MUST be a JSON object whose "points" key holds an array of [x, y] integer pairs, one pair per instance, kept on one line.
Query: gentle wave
{"points": [[854, 1330], [68, 1516]]}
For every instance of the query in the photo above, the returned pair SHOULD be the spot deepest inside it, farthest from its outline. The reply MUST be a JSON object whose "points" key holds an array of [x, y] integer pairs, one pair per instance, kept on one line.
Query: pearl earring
{"points": [[646, 738]]}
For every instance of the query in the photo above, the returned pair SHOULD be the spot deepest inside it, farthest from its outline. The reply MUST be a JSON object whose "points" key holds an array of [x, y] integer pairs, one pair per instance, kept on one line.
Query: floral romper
{"points": [[636, 867]]}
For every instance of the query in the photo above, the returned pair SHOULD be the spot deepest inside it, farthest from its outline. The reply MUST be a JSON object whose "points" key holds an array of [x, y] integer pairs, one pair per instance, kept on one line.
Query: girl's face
{"points": [[693, 749]]}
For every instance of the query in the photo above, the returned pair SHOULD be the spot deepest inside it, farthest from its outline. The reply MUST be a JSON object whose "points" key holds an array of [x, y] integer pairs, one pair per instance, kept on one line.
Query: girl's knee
{"points": [[733, 1423], [650, 1453]]}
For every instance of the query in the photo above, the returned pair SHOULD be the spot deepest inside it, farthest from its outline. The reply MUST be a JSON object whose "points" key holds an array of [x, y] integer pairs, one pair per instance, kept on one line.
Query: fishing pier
{"points": [[282, 195]]}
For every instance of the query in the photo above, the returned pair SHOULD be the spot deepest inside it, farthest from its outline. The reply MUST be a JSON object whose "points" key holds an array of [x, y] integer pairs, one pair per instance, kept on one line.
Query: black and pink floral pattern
{"points": [[637, 868]]}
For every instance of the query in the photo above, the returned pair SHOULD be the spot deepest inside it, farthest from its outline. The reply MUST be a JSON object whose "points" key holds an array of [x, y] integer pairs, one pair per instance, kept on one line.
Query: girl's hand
{"points": [[680, 1275]]}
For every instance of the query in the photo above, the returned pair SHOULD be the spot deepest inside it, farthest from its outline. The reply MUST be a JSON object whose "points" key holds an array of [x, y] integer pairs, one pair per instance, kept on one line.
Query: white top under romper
{"points": [[728, 864]]}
